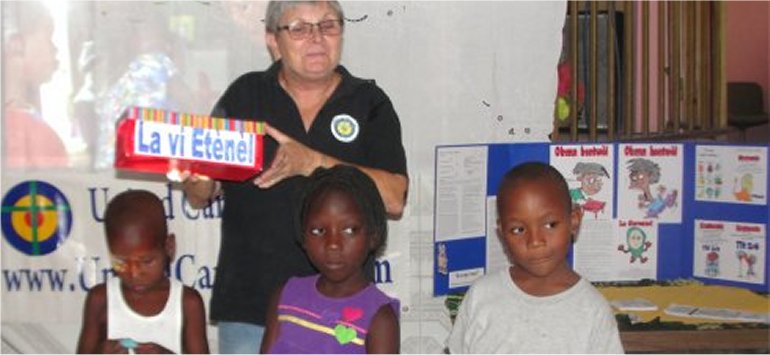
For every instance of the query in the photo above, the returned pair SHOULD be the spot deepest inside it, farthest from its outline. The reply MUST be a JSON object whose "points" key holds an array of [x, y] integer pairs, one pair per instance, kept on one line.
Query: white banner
{"points": [[52, 258], [48, 269]]}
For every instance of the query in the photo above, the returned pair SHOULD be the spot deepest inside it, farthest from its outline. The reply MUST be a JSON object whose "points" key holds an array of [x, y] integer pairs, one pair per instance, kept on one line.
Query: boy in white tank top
{"points": [[142, 310]]}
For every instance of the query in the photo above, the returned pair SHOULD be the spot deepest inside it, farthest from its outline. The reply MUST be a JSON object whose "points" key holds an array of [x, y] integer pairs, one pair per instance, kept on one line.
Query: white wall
{"points": [[457, 72]]}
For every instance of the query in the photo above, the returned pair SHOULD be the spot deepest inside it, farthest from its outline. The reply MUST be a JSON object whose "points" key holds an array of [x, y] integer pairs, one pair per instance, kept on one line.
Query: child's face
{"points": [[536, 227], [40, 54], [639, 179], [138, 258], [635, 239], [335, 237]]}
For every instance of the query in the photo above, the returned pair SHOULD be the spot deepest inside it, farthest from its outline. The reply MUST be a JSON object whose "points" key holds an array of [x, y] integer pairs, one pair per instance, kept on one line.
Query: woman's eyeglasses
{"points": [[301, 30]]}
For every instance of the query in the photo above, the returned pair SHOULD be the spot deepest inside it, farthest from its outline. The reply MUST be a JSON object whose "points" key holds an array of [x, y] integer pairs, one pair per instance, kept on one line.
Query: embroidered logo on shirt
{"points": [[350, 314], [344, 128], [344, 334]]}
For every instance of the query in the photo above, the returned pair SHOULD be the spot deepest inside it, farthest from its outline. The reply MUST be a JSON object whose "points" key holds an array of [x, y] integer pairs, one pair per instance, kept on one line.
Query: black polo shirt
{"points": [[259, 249]]}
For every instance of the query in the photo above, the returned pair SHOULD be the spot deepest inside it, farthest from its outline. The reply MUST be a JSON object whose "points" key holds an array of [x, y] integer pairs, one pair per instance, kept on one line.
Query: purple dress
{"points": [[310, 322]]}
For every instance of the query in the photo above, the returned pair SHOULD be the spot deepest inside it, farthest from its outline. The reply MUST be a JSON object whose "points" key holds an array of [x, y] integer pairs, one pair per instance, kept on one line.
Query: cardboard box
{"points": [[164, 142]]}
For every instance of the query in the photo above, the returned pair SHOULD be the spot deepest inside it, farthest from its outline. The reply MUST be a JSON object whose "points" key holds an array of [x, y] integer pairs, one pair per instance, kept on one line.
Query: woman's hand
{"points": [[199, 188], [291, 159]]}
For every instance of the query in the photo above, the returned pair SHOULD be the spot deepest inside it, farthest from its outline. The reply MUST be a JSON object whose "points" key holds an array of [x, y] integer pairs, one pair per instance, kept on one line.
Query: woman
{"points": [[318, 116]]}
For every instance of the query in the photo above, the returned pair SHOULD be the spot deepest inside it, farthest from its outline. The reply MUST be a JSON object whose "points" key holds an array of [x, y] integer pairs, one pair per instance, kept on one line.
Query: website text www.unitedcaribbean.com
{"points": [[90, 271]]}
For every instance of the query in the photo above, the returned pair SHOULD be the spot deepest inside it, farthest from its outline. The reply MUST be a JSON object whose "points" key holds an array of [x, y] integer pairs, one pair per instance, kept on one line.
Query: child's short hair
{"points": [[361, 187], [534, 171], [135, 206]]}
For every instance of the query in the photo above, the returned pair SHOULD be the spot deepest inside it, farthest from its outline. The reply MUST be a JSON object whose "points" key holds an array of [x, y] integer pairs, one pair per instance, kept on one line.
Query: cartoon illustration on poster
{"points": [[636, 245], [587, 171], [636, 249], [731, 174], [711, 268], [733, 251], [590, 175], [650, 182], [747, 259]]}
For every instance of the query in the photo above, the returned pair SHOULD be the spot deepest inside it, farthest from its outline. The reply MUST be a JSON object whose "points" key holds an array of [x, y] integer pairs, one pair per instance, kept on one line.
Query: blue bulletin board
{"points": [[706, 214]]}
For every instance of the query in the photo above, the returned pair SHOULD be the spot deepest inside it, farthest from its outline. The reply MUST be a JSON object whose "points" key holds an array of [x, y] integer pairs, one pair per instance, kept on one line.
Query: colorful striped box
{"points": [[165, 142]]}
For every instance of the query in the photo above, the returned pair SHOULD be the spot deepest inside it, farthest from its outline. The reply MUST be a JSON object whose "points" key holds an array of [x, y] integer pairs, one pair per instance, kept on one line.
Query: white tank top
{"points": [[164, 328]]}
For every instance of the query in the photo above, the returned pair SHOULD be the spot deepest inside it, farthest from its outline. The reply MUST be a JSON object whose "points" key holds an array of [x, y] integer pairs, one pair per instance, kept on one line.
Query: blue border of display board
{"points": [[676, 240]]}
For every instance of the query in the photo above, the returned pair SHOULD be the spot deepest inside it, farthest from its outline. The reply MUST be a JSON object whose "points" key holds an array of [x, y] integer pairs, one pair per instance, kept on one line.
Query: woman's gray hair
{"points": [[276, 9]]}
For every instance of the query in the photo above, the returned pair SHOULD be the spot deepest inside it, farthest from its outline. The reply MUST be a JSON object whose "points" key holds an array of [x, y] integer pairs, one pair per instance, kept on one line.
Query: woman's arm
{"points": [[392, 187], [200, 189], [294, 158]]}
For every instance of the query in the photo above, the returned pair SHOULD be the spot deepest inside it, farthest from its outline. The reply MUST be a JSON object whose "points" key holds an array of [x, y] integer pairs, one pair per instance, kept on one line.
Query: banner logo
{"points": [[36, 217]]}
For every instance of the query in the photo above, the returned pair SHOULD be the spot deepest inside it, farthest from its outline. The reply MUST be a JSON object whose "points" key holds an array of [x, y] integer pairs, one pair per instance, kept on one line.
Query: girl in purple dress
{"points": [[342, 226]]}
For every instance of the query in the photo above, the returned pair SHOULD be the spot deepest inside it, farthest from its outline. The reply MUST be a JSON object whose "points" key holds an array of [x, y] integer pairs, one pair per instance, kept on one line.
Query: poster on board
{"points": [[730, 251], [587, 171], [650, 181], [645, 229], [733, 174]]}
